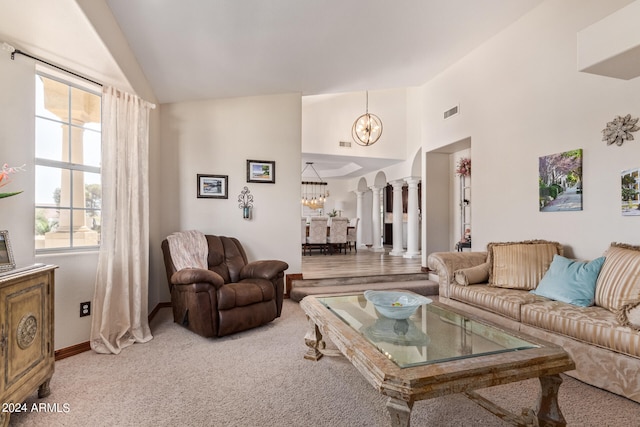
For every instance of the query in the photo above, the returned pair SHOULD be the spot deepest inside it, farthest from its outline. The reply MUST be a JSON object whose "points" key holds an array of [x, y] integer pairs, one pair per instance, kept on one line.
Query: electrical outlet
{"points": [[85, 308]]}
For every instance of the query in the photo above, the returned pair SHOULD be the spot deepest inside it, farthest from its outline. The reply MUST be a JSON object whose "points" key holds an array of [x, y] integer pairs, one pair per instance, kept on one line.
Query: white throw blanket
{"points": [[188, 249]]}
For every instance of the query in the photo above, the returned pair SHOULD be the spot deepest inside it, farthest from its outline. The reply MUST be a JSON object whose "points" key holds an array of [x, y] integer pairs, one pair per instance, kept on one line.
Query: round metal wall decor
{"points": [[619, 130], [27, 329]]}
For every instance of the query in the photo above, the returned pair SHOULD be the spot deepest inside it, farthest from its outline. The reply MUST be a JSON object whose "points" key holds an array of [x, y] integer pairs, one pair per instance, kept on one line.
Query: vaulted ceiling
{"points": [[197, 49], [201, 49]]}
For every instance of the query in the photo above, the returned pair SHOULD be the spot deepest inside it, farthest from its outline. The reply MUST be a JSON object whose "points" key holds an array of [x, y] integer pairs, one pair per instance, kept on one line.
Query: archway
{"points": [[441, 220]]}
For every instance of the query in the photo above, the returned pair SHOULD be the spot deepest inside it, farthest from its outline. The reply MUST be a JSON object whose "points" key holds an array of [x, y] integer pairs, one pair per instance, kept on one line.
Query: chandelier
{"points": [[314, 193], [367, 128]]}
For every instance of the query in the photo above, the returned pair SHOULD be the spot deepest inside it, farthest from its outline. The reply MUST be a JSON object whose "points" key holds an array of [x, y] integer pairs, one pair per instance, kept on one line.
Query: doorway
{"points": [[444, 224]]}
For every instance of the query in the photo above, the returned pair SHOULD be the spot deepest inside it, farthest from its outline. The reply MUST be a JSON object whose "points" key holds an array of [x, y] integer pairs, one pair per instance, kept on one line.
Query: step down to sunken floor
{"points": [[418, 283]]}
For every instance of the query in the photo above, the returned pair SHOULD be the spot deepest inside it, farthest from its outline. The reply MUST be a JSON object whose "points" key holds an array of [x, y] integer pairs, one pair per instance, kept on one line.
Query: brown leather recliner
{"points": [[231, 296]]}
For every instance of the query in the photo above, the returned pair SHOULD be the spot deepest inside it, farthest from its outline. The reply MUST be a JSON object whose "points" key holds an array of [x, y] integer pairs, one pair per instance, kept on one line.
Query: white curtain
{"points": [[120, 301]]}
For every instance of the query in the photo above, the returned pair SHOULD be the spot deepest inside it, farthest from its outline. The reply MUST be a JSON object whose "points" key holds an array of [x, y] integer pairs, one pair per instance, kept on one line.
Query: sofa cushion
{"points": [[506, 302], [520, 265], [246, 292], [570, 281], [619, 280], [592, 325], [472, 275]]}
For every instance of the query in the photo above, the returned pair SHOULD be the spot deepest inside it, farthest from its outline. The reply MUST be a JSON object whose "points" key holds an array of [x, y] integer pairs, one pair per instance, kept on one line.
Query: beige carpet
{"points": [[259, 378]]}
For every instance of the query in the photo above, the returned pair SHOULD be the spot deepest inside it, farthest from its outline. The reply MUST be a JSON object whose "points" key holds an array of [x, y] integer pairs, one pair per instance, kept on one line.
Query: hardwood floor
{"points": [[362, 263]]}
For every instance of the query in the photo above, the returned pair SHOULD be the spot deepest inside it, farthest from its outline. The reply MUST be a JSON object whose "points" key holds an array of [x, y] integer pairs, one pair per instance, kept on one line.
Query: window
{"points": [[68, 158]]}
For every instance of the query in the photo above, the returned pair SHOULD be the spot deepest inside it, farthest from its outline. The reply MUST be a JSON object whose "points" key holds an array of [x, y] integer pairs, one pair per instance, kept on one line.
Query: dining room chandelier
{"points": [[367, 128], [314, 193]]}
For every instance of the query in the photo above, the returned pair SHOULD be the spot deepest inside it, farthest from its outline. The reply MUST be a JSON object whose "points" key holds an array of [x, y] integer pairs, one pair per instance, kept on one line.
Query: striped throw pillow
{"points": [[619, 280], [520, 265]]}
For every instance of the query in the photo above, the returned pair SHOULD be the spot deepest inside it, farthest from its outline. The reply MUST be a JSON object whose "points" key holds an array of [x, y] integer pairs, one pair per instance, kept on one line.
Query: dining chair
{"points": [[352, 234], [338, 233], [317, 233]]}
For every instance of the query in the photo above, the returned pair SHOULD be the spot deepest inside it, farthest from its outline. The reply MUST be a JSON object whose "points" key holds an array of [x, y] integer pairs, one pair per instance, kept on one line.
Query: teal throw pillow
{"points": [[569, 281]]}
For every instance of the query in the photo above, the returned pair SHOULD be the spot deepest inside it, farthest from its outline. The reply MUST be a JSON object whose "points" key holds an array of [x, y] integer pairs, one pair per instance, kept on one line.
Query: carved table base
{"points": [[313, 340], [547, 412], [400, 412]]}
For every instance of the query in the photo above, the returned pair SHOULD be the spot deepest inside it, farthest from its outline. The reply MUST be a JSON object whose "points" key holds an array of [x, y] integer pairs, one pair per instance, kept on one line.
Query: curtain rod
{"points": [[14, 52]]}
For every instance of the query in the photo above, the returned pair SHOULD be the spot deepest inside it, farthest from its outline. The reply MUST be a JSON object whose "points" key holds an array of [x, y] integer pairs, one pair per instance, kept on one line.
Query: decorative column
{"points": [[359, 214], [84, 108], [413, 220], [376, 216], [397, 218]]}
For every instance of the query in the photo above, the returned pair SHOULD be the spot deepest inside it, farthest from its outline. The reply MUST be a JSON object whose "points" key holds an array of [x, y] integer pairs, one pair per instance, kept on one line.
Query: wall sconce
{"points": [[245, 202]]}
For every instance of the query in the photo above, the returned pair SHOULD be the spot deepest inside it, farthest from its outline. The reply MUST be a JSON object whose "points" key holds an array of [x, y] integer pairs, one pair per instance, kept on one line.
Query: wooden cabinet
{"points": [[26, 334]]}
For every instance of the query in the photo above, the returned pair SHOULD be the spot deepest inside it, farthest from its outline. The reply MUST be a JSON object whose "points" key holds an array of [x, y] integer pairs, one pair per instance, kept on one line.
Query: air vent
{"points": [[451, 112], [346, 144]]}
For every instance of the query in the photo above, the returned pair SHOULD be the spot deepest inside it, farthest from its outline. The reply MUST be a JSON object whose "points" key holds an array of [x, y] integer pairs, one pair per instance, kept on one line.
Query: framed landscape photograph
{"points": [[560, 181], [6, 254], [261, 171], [213, 186]]}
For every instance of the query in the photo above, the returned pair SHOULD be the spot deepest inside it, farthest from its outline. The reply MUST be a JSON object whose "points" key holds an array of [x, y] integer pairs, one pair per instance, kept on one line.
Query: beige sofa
{"points": [[603, 339]]}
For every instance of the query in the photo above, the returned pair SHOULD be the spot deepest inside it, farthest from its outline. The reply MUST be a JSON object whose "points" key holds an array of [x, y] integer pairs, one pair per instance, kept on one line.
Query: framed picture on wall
{"points": [[213, 186], [560, 181], [261, 171], [629, 192], [6, 254]]}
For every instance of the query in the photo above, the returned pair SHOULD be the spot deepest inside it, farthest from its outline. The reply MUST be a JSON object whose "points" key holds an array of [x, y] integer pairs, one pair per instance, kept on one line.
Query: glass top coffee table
{"points": [[436, 351]]}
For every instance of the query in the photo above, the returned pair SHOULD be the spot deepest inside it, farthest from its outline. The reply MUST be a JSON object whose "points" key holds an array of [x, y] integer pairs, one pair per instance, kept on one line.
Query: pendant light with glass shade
{"points": [[367, 128]]}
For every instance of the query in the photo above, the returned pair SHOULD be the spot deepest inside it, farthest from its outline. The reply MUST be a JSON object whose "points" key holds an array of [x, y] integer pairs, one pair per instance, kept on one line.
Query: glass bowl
{"points": [[395, 304]]}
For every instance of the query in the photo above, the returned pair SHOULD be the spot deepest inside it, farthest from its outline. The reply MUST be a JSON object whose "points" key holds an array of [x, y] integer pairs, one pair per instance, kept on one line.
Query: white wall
{"points": [[218, 137], [521, 97], [437, 203], [17, 133], [77, 46], [340, 190], [327, 120], [75, 276]]}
